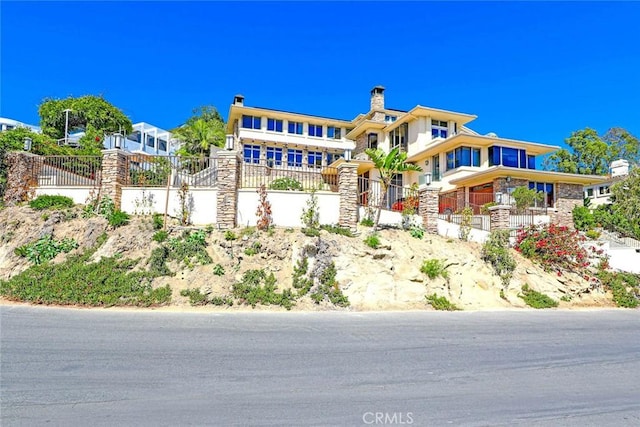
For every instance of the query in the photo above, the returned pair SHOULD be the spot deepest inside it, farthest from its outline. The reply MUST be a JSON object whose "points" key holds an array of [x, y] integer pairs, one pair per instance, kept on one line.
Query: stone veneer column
{"points": [[114, 174], [228, 182], [23, 169], [461, 200], [428, 207], [568, 196], [348, 189], [500, 215]]}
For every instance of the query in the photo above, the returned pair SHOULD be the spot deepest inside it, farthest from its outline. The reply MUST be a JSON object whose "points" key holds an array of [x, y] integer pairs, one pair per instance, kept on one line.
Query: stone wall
{"points": [[22, 176], [114, 174], [361, 145], [428, 207], [500, 217], [568, 196], [229, 163], [348, 189], [500, 185]]}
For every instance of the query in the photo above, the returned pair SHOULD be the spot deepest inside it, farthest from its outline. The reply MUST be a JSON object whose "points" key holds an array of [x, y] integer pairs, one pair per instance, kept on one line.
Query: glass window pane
{"points": [[278, 125], [523, 158], [246, 122], [291, 127], [465, 156], [510, 157], [330, 131], [476, 157], [531, 162], [450, 160]]}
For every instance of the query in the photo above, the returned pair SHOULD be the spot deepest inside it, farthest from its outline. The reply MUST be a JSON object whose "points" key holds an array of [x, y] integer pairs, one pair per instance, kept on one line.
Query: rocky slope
{"points": [[387, 278]]}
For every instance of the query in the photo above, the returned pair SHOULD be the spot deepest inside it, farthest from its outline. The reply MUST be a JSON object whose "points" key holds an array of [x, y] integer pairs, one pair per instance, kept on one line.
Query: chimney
{"points": [[238, 100], [377, 98]]}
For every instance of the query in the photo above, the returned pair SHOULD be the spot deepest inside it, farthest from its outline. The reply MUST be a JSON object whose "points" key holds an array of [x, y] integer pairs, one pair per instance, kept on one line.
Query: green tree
{"points": [[205, 129], [92, 114], [525, 197], [591, 154], [626, 201], [388, 165]]}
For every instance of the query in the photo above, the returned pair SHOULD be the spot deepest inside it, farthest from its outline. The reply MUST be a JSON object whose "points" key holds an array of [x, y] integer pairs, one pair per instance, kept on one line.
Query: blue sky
{"points": [[529, 70]]}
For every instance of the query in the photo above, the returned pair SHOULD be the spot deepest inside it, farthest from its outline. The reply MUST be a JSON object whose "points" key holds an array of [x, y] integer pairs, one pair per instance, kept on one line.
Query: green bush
{"points": [[329, 288], [536, 299], [434, 268], [118, 219], [108, 282], [416, 232], [218, 270], [372, 240], [300, 281], [45, 249], [367, 222], [254, 249], [495, 251], [441, 303], [625, 288], [230, 235], [160, 236], [583, 219], [51, 202], [286, 183], [592, 234], [158, 221], [310, 232], [257, 287], [198, 298], [336, 229]]}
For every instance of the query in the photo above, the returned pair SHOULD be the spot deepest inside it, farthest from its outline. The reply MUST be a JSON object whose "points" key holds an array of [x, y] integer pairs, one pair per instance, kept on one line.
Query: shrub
{"points": [[434, 268], [257, 287], [625, 288], [311, 215], [286, 183], [441, 303], [336, 229], [118, 219], [264, 210], [372, 240], [526, 197], [484, 209], [465, 223], [416, 232], [583, 219], [230, 235], [495, 251], [198, 298], [254, 249], [160, 236], [51, 202], [329, 288], [592, 234], [310, 232], [300, 281], [158, 221], [536, 299], [367, 222], [189, 250], [218, 270], [45, 249]]}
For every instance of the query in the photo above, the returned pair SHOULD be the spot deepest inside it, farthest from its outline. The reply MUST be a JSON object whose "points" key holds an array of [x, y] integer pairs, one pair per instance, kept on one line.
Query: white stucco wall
{"points": [[286, 207], [78, 194], [203, 205]]}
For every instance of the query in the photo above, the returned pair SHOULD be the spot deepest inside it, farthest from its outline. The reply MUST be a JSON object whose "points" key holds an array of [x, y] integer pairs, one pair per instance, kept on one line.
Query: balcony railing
{"points": [[279, 175]]}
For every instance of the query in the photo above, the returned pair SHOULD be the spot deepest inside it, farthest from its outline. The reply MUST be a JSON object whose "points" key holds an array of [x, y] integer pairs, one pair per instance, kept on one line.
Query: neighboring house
{"points": [[600, 193], [470, 169], [145, 138], [8, 124]]}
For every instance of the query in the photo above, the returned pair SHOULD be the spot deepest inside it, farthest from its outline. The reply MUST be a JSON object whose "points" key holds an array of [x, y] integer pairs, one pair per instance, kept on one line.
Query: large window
{"points": [[162, 145], [398, 137], [274, 156], [274, 125], [315, 130], [334, 132], [439, 129], [372, 140], [463, 156], [544, 188], [294, 158], [151, 141], [251, 122], [511, 157], [134, 136], [314, 158], [295, 127], [251, 153]]}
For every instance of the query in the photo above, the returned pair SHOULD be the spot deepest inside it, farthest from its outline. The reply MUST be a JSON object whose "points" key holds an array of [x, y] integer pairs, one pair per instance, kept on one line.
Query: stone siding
{"points": [[229, 169], [428, 207], [568, 196], [114, 174], [22, 176], [348, 189], [500, 185], [499, 217]]}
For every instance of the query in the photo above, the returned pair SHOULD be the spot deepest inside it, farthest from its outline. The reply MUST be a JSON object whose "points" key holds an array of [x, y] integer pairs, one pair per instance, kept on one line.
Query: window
{"points": [[274, 125], [545, 188], [334, 132], [9, 127], [372, 140], [390, 119], [295, 127], [332, 157], [314, 158], [250, 122], [398, 137], [435, 168], [135, 136], [151, 141], [294, 158], [511, 157], [463, 156], [251, 153], [162, 145], [274, 156], [589, 192], [604, 190], [315, 130], [531, 162], [439, 129]]}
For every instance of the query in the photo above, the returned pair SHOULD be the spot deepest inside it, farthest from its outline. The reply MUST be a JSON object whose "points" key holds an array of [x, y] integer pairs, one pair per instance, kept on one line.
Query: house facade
{"points": [[469, 169]]}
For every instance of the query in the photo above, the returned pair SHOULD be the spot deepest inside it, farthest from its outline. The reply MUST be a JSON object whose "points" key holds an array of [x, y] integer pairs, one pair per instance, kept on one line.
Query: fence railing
{"points": [[282, 176], [397, 198], [452, 203], [67, 171], [158, 171]]}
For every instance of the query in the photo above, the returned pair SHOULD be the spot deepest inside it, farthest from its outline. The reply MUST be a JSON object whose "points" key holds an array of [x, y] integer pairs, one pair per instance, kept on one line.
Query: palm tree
{"points": [[389, 164], [199, 134]]}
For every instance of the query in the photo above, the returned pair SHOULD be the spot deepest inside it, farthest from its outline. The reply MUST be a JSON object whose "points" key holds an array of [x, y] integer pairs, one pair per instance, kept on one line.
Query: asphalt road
{"points": [[105, 368]]}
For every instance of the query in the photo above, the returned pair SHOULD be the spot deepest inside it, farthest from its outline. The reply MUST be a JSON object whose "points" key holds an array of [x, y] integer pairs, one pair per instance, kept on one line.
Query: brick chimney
{"points": [[239, 100], [377, 98]]}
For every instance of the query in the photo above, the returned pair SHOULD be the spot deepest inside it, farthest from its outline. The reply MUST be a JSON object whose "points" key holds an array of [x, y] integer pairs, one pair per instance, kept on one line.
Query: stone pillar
{"points": [[500, 215], [428, 207], [348, 189], [568, 196], [115, 174], [460, 199], [23, 169], [229, 163]]}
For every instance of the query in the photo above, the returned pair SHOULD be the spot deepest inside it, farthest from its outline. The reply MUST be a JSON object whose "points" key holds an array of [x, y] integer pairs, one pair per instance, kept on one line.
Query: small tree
{"points": [[311, 215], [264, 209], [525, 197]]}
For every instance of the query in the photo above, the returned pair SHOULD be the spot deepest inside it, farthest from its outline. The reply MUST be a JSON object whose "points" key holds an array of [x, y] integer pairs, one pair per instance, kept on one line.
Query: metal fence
{"points": [[282, 176], [158, 171], [397, 198], [67, 171]]}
